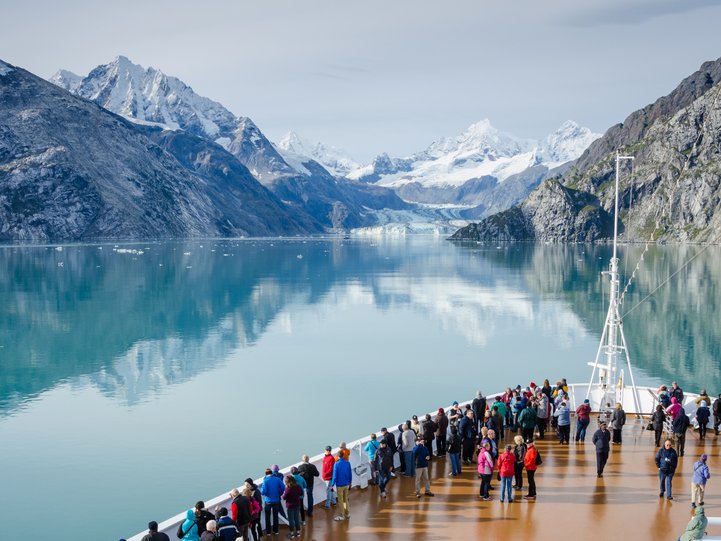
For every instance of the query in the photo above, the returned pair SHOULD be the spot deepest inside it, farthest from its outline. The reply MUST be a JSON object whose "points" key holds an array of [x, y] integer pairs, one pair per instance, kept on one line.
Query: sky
{"points": [[385, 76]]}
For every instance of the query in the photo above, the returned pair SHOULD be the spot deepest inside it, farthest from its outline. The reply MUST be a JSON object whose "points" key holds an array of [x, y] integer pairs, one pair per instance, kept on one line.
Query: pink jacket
{"points": [[674, 408], [485, 463]]}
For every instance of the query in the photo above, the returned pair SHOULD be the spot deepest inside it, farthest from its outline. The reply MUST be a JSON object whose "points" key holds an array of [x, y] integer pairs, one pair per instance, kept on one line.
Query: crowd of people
{"points": [[472, 435]]}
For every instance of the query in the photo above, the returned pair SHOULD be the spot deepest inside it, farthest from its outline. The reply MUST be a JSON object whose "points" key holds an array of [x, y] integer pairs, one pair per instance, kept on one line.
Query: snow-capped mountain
{"points": [[335, 160], [148, 95], [480, 151], [565, 144]]}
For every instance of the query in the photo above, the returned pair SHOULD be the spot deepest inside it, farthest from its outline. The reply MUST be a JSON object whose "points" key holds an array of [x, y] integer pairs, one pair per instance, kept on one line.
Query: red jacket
{"points": [[327, 469], [506, 464], [530, 460]]}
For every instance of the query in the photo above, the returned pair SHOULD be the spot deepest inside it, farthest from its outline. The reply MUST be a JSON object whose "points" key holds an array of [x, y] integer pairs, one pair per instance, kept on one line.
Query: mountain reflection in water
{"points": [[136, 322]]}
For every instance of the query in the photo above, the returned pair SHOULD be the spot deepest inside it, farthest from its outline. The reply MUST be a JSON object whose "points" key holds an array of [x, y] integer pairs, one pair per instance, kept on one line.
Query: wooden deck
{"points": [[572, 504]]}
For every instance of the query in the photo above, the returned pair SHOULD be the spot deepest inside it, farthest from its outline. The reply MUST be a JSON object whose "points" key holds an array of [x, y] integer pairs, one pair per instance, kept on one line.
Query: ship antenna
{"points": [[609, 387]]}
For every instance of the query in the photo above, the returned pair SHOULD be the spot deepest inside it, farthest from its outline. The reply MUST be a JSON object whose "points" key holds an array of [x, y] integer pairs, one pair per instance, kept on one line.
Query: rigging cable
{"points": [[670, 216]]}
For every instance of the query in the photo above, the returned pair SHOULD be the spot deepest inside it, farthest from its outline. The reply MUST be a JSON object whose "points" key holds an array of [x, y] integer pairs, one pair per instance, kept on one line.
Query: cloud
{"points": [[630, 13]]}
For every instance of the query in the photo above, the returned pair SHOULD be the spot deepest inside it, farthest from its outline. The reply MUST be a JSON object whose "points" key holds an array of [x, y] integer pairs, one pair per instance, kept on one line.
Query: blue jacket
{"points": [[272, 489], [301, 482], [190, 526], [667, 460], [342, 474], [227, 530], [601, 440], [564, 415], [700, 472], [371, 448], [420, 452]]}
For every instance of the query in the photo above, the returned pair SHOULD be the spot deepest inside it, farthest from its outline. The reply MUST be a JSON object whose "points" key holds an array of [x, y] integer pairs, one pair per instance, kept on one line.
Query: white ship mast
{"points": [[610, 384]]}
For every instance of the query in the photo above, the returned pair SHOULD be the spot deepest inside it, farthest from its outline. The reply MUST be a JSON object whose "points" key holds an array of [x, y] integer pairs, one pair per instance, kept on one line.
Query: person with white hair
{"points": [[211, 528]]}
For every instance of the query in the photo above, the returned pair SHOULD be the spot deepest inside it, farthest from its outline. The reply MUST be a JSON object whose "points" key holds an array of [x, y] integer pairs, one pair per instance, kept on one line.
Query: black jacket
{"points": [[681, 423], [243, 505], [454, 443], [308, 472], [657, 420], [429, 429], [390, 442], [479, 407], [383, 459]]}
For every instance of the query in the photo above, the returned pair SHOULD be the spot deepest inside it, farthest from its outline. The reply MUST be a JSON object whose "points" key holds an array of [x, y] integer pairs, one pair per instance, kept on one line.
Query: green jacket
{"points": [[696, 527], [527, 418]]}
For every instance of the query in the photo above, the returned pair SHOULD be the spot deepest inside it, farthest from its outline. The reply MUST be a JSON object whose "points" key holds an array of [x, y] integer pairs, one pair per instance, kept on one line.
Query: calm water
{"points": [[133, 384]]}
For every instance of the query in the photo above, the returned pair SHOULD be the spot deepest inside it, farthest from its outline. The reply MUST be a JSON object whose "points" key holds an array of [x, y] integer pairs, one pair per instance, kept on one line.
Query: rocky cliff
{"points": [[671, 193], [70, 170]]}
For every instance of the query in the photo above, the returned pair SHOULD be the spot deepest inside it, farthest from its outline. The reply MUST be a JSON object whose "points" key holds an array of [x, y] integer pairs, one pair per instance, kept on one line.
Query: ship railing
{"points": [[713, 521], [358, 457]]}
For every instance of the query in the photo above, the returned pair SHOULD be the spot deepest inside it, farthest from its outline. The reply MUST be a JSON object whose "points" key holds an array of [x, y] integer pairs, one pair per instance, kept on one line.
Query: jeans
{"points": [[506, 488], [485, 484], [309, 499], [455, 463], [275, 508], [330, 495], [410, 463], [294, 519], [581, 426], [383, 478], [665, 479]]}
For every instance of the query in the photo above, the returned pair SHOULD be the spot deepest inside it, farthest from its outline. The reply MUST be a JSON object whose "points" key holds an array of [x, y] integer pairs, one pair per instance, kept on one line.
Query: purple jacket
{"points": [[700, 472]]}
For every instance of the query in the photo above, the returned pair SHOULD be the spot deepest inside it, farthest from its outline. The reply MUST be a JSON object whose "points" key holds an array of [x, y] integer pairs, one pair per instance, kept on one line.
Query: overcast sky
{"points": [[385, 76]]}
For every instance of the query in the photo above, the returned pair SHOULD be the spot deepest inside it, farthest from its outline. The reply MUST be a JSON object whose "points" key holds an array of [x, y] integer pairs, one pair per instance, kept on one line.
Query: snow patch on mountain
{"points": [[4, 68], [480, 151], [67, 80], [149, 95], [335, 160]]}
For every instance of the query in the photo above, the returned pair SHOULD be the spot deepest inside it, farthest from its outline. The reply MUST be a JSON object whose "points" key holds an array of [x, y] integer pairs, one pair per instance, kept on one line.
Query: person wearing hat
{"points": [[601, 439], [251, 490], [455, 414], [583, 418], [420, 455], [696, 527], [703, 397], [531, 462], [153, 533], [383, 464], [327, 475], [703, 414], [701, 474]]}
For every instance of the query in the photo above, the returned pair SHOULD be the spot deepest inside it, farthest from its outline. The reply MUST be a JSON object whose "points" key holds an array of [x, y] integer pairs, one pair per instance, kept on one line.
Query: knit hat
{"points": [[586, 401], [249, 481], [328, 448]]}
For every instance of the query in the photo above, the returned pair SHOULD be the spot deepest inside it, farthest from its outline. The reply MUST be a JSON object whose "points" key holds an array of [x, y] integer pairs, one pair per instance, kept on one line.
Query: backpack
{"points": [[539, 461]]}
